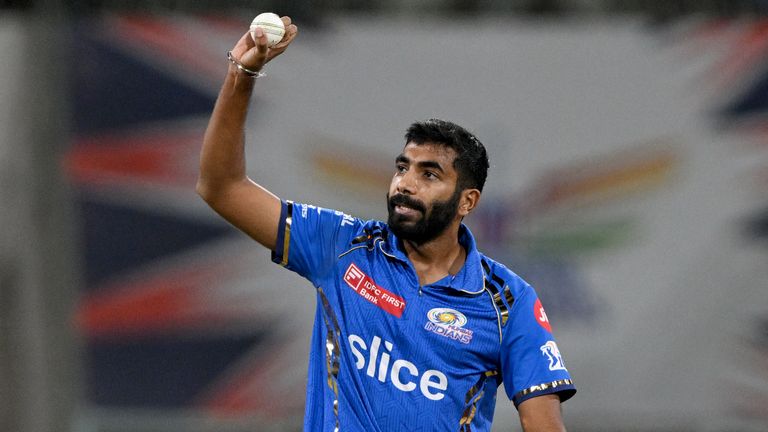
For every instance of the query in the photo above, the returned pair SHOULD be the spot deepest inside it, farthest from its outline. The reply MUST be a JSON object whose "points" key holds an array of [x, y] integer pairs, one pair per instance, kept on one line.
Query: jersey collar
{"points": [[469, 279]]}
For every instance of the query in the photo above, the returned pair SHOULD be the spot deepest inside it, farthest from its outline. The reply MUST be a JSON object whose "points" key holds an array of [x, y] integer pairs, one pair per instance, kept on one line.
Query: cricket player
{"points": [[415, 328]]}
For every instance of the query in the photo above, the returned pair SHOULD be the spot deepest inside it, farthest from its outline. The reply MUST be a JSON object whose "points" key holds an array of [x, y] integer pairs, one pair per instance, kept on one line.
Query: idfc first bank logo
{"points": [[369, 290], [448, 323]]}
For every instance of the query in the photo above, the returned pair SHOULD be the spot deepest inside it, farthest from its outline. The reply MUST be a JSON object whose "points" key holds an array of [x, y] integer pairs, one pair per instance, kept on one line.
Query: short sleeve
{"points": [[310, 238], [531, 361]]}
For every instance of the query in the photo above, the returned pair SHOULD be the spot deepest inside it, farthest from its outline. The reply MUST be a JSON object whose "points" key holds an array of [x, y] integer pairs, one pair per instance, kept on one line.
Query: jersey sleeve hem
{"points": [[564, 388], [282, 245]]}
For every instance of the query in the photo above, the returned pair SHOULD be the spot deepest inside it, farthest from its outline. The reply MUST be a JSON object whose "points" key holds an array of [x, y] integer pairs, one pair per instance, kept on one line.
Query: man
{"points": [[415, 329]]}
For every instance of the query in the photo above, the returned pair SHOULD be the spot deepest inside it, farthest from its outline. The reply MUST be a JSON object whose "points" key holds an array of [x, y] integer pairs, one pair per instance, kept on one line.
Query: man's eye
{"points": [[401, 168], [430, 175]]}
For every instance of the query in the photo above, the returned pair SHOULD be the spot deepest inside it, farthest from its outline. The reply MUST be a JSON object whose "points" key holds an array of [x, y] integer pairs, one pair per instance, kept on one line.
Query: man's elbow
{"points": [[203, 190], [209, 192], [217, 194]]}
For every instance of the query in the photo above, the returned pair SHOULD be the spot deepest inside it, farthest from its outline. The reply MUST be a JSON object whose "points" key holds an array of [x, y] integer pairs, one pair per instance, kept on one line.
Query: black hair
{"points": [[471, 158]]}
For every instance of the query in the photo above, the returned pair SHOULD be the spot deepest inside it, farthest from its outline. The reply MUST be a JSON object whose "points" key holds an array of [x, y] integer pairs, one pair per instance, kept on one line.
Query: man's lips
{"points": [[404, 206], [406, 211]]}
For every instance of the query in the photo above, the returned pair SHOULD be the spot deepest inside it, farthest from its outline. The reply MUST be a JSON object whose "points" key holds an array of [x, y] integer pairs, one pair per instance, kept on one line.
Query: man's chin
{"points": [[402, 227], [406, 221]]}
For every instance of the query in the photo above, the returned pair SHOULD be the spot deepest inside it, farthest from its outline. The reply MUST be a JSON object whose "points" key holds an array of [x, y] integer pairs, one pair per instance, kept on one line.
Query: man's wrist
{"points": [[255, 74]]}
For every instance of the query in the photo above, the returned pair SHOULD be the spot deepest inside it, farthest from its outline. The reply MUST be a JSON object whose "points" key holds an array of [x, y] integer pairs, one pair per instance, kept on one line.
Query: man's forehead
{"points": [[429, 150]]}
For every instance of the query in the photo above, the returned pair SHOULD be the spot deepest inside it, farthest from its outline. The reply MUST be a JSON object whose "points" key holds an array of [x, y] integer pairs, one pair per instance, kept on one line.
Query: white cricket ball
{"points": [[272, 26]]}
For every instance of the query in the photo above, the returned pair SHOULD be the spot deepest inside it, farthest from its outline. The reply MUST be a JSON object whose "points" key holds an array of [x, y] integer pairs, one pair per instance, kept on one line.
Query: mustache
{"points": [[406, 201]]}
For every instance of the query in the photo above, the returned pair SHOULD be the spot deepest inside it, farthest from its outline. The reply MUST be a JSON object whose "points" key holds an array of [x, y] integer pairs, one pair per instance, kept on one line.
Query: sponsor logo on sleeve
{"points": [[367, 289], [552, 353], [448, 323], [541, 316]]}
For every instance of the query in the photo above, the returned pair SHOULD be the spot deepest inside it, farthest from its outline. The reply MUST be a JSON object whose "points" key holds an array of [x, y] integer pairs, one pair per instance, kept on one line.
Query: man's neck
{"points": [[437, 258]]}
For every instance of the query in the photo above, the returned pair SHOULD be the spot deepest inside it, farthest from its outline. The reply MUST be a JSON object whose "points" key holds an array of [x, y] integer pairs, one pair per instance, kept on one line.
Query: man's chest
{"points": [[389, 321]]}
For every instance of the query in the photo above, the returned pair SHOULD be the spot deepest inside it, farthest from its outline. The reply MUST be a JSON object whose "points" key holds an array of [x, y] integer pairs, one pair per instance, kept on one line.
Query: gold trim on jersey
{"points": [[287, 232], [508, 295], [503, 311], [542, 387], [332, 351], [493, 290], [474, 394]]}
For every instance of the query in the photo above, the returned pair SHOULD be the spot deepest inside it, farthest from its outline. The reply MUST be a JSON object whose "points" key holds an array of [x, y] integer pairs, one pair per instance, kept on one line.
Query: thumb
{"points": [[260, 40], [256, 55]]}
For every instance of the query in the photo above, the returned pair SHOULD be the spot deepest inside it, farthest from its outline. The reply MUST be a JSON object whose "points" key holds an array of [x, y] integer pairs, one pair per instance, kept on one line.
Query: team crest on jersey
{"points": [[551, 351], [448, 323]]}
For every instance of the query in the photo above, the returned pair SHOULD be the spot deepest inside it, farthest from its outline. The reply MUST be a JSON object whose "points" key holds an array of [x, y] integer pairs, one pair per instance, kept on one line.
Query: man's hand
{"points": [[255, 54]]}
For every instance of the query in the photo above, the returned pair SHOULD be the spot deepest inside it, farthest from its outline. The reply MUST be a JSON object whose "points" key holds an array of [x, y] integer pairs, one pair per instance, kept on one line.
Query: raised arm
{"points": [[222, 182]]}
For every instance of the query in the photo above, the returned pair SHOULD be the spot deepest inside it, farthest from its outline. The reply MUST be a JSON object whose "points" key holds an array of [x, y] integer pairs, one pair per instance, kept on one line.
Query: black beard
{"points": [[430, 225]]}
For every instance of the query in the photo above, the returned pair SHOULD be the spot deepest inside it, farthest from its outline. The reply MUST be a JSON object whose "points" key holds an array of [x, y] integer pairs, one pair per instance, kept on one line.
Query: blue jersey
{"points": [[390, 355]]}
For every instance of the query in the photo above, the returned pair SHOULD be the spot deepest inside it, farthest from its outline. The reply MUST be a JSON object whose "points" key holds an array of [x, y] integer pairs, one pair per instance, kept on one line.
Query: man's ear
{"points": [[468, 201]]}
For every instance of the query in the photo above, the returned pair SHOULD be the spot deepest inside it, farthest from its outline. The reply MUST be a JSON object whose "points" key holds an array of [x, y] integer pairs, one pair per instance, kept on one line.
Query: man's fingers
{"points": [[292, 30], [253, 50], [254, 47], [290, 33]]}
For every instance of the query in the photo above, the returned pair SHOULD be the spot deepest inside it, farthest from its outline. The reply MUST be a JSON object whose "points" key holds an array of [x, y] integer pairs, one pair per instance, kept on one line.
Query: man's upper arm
{"points": [[541, 414], [249, 207], [530, 358]]}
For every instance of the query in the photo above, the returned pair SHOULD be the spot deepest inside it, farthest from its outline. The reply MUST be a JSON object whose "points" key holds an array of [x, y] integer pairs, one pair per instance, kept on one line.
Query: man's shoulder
{"points": [[374, 225], [503, 275], [367, 232], [351, 230], [371, 228], [330, 215]]}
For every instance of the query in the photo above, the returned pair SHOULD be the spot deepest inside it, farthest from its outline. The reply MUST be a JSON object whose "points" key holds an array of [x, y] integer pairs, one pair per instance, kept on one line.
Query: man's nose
{"points": [[406, 185]]}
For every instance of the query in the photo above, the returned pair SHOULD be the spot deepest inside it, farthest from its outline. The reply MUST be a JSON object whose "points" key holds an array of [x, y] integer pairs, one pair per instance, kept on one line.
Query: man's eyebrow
{"points": [[401, 158], [430, 164]]}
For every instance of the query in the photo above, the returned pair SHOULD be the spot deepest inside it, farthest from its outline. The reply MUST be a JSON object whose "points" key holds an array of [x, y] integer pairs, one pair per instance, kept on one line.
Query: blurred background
{"points": [[628, 184]]}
